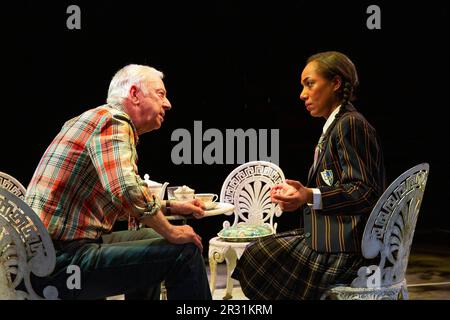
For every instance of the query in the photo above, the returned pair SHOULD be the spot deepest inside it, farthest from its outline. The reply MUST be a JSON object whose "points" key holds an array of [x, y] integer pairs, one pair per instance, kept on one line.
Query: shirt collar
{"points": [[330, 119]]}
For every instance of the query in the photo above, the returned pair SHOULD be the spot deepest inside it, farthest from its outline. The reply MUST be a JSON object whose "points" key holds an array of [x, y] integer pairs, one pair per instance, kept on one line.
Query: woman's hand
{"points": [[195, 207], [291, 195]]}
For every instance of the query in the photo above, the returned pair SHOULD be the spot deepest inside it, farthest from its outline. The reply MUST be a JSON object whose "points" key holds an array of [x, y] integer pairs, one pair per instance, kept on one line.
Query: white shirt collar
{"points": [[330, 119]]}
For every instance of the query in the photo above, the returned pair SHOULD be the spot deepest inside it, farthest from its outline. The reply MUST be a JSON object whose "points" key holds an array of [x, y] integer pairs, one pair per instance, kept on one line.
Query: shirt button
{"points": [[307, 235]]}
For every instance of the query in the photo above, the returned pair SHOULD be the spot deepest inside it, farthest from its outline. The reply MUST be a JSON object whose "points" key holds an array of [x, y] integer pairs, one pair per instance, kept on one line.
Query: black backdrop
{"points": [[231, 65]]}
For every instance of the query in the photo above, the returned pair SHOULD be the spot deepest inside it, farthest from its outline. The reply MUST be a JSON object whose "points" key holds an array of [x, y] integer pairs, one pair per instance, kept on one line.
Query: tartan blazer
{"points": [[351, 177]]}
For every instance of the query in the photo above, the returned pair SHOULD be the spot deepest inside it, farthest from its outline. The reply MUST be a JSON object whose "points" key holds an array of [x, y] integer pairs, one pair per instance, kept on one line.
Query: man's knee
{"points": [[191, 250], [191, 253]]}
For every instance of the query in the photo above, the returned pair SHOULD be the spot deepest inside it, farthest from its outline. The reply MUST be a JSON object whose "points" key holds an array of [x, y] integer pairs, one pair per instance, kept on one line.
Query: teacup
{"points": [[209, 199]]}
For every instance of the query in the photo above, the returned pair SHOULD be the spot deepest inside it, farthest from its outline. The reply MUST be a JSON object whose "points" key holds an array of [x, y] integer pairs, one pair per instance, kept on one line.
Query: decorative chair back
{"points": [[12, 185], [388, 237], [25, 245], [248, 188]]}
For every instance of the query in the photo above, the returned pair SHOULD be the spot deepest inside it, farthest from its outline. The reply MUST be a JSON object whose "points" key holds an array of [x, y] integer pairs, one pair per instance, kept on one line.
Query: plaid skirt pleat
{"points": [[282, 266]]}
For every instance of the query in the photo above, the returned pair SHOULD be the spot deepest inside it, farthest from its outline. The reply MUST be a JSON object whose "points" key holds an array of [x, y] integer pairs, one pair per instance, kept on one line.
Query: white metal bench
{"points": [[25, 245], [388, 237]]}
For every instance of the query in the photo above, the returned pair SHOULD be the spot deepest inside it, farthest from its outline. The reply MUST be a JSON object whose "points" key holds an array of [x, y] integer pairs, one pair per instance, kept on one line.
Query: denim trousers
{"points": [[132, 262]]}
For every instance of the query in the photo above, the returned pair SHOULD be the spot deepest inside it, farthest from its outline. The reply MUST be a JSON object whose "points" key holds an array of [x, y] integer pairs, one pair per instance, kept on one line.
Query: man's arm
{"points": [[113, 153], [195, 207]]}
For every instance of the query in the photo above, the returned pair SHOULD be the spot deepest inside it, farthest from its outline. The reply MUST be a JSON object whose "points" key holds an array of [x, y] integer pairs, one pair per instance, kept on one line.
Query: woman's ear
{"points": [[337, 83]]}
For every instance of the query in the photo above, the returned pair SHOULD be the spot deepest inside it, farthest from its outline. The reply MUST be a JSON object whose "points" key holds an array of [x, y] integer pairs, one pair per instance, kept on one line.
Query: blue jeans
{"points": [[130, 262]]}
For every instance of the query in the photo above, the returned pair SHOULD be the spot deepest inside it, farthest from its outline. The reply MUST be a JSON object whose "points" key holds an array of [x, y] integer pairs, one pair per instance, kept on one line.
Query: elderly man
{"points": [[88, 178]]}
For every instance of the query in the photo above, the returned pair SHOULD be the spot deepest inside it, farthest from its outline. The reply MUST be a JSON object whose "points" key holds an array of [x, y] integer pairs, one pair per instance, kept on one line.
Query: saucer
{"points": [[211, 206]]}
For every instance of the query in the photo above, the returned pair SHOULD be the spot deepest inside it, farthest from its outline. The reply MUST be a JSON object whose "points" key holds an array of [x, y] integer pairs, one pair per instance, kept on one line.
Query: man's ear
{"points": [[132, 93]]}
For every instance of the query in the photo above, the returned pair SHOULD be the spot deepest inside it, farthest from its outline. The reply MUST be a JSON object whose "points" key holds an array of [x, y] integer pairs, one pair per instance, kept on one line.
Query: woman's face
{"points": [[318, 92]]}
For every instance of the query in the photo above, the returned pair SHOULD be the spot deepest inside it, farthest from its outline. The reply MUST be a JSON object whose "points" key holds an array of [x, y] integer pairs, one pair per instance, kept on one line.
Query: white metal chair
{"points": [[25, 245], [388, 237], [12, 185], [248, 188]]}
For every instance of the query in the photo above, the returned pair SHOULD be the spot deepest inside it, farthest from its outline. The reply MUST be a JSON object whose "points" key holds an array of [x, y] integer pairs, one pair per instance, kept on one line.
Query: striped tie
{"points": [[318, 149]]}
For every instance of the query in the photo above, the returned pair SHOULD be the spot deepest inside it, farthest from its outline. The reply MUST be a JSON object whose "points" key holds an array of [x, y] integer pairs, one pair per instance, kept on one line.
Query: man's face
{"points": [[152, 105], [318, 92]]}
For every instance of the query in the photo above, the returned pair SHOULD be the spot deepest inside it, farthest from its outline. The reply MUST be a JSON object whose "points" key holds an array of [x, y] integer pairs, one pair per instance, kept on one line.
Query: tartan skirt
{"points": [[283, 266]]}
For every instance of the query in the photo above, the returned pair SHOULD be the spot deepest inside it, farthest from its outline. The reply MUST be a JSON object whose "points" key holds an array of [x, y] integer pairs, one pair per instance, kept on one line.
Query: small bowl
{"points": [[184, 193]]}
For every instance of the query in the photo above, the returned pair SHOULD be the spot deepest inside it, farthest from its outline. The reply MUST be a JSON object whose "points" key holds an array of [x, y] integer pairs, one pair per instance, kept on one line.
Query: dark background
{"points": [[232, 65]]}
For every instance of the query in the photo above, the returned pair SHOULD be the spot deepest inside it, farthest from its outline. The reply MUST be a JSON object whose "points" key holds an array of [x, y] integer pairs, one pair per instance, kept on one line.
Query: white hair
{"points": [[132, 74]]}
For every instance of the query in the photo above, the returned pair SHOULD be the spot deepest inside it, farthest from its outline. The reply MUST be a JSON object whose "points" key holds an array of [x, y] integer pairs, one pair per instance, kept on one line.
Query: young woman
{"points": [[344, 183]]}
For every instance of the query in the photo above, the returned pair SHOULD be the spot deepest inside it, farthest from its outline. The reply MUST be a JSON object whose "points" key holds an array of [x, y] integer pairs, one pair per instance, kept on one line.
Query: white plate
{"points": [[220, 208]]}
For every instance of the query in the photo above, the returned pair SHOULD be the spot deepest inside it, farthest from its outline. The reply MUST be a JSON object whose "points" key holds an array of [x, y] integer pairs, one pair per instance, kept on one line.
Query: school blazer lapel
{"points": [[313, 171]]}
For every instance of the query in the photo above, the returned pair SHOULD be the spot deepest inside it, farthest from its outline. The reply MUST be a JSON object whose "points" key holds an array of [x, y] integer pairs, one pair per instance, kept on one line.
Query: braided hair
{"points": [[347, 93], [331, 64]]}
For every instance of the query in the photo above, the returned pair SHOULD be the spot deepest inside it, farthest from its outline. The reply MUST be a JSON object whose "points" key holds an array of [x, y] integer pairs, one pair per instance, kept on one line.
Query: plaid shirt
{"points": [[88, 177]]}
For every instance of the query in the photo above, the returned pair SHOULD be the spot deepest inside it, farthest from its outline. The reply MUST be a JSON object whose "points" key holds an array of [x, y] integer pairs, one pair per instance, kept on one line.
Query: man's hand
{"points": [[195, 207], [184, 234], [290, 195], [173, 234]]}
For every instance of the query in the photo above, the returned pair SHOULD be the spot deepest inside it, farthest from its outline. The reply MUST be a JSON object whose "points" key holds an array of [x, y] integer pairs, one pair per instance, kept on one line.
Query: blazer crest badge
{"points": [[327, 177]]}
